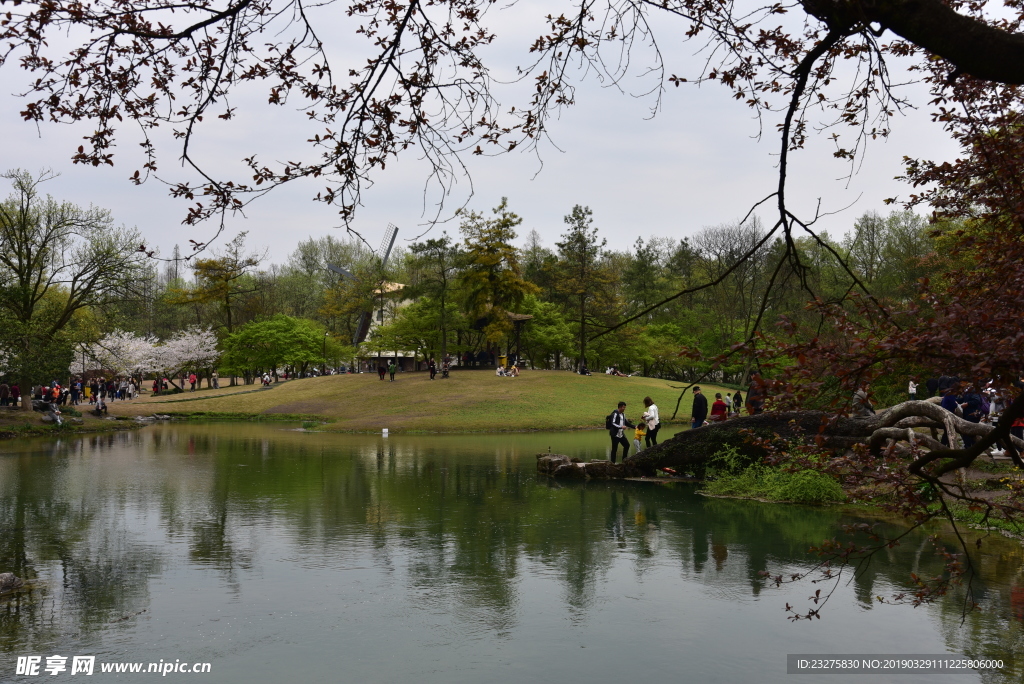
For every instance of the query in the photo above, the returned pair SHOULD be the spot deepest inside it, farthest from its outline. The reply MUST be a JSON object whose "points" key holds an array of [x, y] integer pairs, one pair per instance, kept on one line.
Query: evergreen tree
{"points": [[581, 276], [435, 264], [493, 280]]}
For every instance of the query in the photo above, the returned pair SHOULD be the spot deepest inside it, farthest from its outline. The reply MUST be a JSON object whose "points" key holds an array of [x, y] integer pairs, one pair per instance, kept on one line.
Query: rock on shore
{"points": [[8, 582], [563, 467]]}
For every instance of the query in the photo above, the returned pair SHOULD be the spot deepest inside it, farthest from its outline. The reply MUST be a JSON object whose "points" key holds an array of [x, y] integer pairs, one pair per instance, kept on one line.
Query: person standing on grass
{"points": [[391, 369], [912, 390], [719, 409], [15, 394], [619, 425], [433, 367], [653, 422], [700, 409], [192, 382], [737, 404]]}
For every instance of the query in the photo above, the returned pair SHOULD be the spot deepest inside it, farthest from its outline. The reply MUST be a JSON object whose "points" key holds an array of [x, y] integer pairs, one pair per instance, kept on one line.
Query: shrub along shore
{"points": [[468, 401], [18, 424]]}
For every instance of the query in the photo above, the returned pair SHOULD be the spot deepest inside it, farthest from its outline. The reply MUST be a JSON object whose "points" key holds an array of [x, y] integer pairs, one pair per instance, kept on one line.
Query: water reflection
{"points": [[243, 541]]}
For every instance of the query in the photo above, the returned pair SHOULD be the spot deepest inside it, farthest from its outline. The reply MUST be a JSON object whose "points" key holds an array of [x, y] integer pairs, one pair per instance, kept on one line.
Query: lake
{"points": [[280, 555]]}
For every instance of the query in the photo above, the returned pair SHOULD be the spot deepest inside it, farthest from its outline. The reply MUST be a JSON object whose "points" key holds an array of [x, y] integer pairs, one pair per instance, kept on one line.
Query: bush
{"points": [[808, 486], [732, 477]]}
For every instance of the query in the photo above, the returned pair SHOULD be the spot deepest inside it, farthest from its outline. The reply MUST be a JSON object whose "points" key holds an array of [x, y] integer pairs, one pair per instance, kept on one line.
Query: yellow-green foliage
{"points": [[728, 476]]}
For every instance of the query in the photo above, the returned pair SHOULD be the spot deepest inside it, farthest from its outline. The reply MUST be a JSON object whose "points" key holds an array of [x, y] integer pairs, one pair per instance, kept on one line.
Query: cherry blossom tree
{"points": [[193, 349], [121, 352]]}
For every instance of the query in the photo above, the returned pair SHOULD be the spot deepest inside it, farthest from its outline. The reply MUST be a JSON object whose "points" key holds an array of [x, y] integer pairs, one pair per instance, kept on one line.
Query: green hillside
{"points": [[469, 401]]}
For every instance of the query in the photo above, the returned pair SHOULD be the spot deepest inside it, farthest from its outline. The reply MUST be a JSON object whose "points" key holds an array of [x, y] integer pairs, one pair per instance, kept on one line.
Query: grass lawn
{"points": [[469, 401]]}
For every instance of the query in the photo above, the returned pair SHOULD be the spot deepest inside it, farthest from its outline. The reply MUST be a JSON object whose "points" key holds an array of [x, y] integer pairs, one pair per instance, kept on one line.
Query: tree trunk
{"points": [[690, 450], [25, 385], [444, 330], [583, 332]]}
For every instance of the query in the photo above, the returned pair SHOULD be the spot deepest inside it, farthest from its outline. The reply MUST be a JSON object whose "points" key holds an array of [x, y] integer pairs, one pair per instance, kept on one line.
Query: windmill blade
{"points": [[389, 239], [366, 317], [344, 273], [362, 328]]}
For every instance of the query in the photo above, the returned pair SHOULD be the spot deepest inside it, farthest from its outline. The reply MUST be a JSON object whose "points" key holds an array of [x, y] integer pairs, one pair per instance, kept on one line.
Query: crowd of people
{"points": [[978, 402], [95, 391], [646, 429]]}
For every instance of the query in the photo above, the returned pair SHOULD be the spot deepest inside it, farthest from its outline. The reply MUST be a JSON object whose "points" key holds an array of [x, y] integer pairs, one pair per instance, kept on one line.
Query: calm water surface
{"points": [[278, 555]]}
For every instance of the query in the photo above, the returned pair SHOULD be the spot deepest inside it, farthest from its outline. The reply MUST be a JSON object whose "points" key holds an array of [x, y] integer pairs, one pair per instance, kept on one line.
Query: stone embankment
{"points": [[563, 467]]}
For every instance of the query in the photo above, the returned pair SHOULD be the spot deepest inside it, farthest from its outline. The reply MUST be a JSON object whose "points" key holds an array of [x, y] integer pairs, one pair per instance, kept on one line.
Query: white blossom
{"points": [[187, 350], [123, 353]]}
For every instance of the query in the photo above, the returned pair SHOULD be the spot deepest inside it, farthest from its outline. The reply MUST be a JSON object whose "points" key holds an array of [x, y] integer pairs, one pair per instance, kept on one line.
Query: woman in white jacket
{"points": [[653, 422]]}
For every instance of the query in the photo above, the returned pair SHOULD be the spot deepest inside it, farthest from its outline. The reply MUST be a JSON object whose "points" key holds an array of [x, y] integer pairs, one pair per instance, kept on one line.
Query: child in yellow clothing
{"points": [[638, 436]]}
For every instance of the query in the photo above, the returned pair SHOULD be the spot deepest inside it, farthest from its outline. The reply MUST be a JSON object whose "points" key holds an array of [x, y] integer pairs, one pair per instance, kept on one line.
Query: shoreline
{"points": [[322, 421], [33, 430]]}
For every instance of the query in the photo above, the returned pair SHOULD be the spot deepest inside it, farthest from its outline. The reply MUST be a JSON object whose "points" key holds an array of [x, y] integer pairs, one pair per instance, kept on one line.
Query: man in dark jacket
{"points": [[950, 402], [700, 409], [619, 424], [972, 408]]}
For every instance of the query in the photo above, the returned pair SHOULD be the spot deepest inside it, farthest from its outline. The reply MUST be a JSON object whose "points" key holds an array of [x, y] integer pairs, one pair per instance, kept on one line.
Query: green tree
{"points": [[57, 260], [223, 279], [265, 346], [492, 280], [547, 335], [539, 264], [644, 283], [581, 276], [435, 264]]}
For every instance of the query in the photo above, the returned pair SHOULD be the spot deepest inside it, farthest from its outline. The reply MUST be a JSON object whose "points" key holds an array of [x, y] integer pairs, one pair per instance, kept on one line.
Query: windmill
{"points": [[363, 324]]}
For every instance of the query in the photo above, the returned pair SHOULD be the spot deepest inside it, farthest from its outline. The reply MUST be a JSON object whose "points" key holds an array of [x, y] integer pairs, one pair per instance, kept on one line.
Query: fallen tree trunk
{"points": [[691, 450]]}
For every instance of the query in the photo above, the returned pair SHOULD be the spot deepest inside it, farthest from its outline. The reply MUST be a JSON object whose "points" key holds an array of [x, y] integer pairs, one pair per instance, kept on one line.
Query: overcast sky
{"points": [[697, 163]]}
